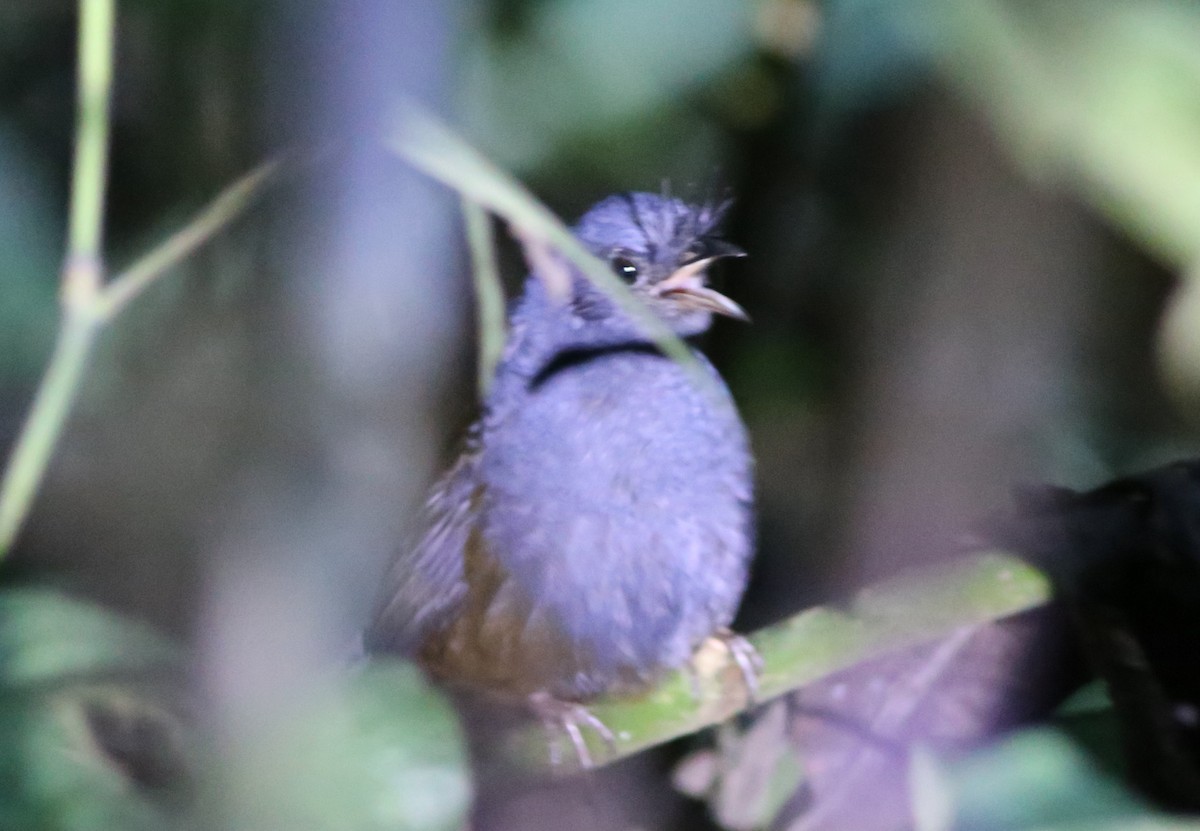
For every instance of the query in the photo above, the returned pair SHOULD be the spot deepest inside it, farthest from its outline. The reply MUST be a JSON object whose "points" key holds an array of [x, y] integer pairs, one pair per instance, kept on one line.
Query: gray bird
{"points": [[598, 527]]}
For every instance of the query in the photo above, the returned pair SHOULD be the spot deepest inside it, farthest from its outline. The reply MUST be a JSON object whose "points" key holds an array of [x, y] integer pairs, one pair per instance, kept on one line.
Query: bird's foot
{"points": [[569, 718], [747, 659]]}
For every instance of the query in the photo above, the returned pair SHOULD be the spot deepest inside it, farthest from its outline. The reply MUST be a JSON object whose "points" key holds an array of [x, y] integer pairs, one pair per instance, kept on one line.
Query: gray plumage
{"points": [[598, 526]]}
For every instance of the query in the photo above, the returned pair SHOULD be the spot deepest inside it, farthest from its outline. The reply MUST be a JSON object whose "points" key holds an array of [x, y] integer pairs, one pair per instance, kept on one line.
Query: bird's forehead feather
{"points": [[646, 223]]}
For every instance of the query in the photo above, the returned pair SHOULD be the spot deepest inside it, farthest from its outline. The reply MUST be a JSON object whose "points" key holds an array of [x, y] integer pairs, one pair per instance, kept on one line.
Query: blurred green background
{"points": [[971, 226]]}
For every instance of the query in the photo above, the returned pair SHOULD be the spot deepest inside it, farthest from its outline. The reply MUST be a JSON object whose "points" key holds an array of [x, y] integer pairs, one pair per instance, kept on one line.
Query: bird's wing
{"points": [[426, 587]]}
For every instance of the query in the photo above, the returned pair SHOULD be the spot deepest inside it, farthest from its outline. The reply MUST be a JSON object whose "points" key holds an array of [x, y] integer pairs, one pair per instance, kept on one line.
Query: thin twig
{"points": [[42, 427], [227, 205]]}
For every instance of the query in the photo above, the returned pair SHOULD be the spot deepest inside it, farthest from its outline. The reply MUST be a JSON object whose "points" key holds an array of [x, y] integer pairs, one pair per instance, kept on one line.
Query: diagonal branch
{"points": [[807, 647]]}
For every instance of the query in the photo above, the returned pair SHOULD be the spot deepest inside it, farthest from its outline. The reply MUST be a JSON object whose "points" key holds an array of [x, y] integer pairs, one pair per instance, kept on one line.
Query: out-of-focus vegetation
{"points": [[972, 227]]}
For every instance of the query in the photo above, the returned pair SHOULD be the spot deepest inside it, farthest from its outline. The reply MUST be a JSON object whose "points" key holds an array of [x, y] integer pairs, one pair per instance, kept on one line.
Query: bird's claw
{"points": [[749, 662], [560, 717], [711, 661]]}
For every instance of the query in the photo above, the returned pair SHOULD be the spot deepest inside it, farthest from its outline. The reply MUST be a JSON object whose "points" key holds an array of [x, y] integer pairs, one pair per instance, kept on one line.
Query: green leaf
{"points": [[1036, 778], [46, 637], [1102, 96], [1088, 718], [580, 68], [381, 751], [89, 736], [53, 776]]}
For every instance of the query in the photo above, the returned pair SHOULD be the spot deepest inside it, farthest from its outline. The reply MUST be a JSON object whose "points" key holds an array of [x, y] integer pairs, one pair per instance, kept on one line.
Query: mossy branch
{"points": [[805, 648]]}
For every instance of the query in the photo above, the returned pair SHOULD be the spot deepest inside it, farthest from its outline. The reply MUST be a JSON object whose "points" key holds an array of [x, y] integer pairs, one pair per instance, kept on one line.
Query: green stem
{"points": [[87, 309], [83, 274], [489, 294], [44, 424], [87, 303]]}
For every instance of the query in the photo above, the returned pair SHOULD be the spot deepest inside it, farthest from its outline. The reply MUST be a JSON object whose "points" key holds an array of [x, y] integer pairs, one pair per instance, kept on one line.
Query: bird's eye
{"points": [[624, 268]]}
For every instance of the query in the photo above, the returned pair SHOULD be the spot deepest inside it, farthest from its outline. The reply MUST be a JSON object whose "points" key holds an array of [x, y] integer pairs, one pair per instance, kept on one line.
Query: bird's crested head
{"points": [[661, 248]]}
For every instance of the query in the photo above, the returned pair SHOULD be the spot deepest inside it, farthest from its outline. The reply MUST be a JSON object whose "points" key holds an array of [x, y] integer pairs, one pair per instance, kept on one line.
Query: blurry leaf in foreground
{"points": [[383, 751], [582, 67], [47, 637], [53, 774], [90, 735], [1104, 97], [1035, 779]]}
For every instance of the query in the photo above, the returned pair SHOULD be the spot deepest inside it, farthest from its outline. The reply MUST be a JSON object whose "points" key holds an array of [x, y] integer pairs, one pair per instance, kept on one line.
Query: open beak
{"points": [[686, 287]]}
